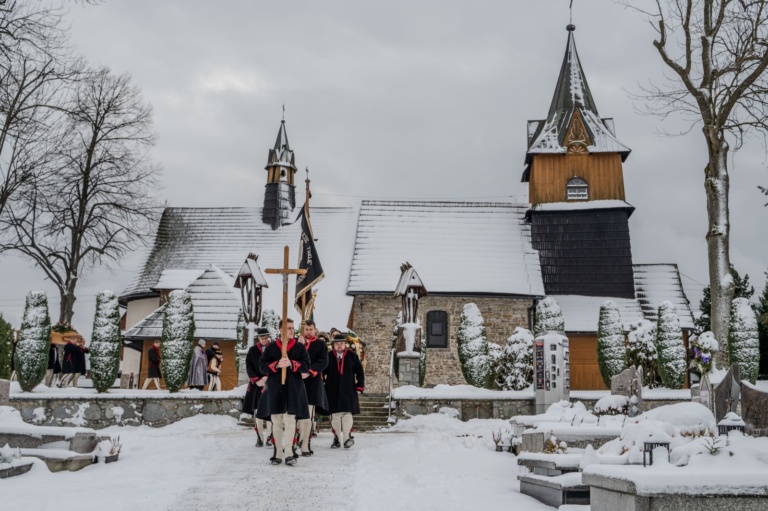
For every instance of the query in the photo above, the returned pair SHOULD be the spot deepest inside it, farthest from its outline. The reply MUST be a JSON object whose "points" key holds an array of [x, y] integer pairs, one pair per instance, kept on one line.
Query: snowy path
{"points": [[209, 463]]}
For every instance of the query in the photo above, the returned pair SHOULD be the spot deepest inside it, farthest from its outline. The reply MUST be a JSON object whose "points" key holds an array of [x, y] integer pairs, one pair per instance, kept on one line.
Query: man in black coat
{"points": [[283, 404], [69, 365], [256, 383], [80, 365], [54, 366], [153, 369], [318, 361], [344, 380]]}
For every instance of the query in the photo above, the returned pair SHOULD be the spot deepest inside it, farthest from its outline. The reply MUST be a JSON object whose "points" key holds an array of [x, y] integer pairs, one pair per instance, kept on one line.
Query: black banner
{"points": [[310, 261]]}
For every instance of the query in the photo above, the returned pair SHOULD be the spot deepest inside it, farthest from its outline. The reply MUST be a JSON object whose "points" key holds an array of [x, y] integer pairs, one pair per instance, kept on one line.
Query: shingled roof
{"points": [[572, 95], [195, 238], [655, 283], [457, 248]]}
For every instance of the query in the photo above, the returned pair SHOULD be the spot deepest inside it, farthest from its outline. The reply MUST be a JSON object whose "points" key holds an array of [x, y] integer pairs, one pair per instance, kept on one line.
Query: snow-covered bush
{"points": [[705, 347], [611, 352], [549, 317], [513, 368], [669, 346], [641, 349], [31, 357], [105, 344], [612, 405], [178, 339], [473, 346], [743, 340], [271, 321]]}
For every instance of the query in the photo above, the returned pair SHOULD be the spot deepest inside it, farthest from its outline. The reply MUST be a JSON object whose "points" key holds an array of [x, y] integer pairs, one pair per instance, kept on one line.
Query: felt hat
{"points": [[340, 338], [262, 331]]}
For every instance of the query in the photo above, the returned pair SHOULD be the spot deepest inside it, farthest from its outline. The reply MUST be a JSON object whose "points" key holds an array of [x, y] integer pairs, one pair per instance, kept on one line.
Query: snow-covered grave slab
{"points": [[15, 468], [471, 402]]}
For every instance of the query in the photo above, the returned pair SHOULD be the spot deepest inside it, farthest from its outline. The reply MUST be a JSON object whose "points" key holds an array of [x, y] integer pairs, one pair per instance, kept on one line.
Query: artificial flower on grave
{"points": [[704, 348]]}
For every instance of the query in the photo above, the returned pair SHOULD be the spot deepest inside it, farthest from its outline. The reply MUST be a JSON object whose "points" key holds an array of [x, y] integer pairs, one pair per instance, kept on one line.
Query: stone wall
{"points": [[375, 317], [468, 409], [107, 411]]}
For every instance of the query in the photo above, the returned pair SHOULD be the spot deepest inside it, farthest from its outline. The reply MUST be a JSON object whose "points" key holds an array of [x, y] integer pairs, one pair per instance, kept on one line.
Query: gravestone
{"points": [[754, 410], [703, 392], [629, 383], [727, 393], [5, 392]]}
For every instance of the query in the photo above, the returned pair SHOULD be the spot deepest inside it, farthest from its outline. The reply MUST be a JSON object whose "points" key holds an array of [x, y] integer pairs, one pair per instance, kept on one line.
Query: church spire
{"points": [[280, 192], [573, 122]]}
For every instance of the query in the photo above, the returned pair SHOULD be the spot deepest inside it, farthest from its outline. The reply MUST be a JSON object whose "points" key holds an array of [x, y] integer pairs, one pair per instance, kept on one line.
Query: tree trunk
{"points": [[720, 280], [67, 301]]}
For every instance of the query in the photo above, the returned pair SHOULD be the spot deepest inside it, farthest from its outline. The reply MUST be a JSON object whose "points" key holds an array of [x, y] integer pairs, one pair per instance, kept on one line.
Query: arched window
{"points": [[437, 329], [577, 189], [283, 175]]}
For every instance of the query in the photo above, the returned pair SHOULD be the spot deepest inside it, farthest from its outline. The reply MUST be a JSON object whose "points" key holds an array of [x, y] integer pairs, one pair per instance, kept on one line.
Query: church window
{"points": [[437, 329], [577, 189], [283, 175]]}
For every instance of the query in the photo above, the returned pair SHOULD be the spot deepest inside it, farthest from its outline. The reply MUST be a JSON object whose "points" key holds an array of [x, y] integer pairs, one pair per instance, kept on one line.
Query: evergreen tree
{"points": [[473, 346], [611, 351], [743, 343], [641, 349], [762, 330], [6, 348], [106, 341], [741, 289], [271, 321], [514, 368], [549, 317], [669, 346], [31, 359], [178, 339]]}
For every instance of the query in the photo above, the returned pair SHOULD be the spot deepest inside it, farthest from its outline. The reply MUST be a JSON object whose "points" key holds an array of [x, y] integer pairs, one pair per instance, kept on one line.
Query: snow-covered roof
{"points": [[216, 304], [581, 313], [175, 278], [578, 205], [655, 283], [572, 95], [457, 247], [195, 238]]}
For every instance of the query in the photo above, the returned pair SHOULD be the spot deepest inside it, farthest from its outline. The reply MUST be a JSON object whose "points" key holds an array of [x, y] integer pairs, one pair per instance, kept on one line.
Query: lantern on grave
{"points": [[250, 280]]}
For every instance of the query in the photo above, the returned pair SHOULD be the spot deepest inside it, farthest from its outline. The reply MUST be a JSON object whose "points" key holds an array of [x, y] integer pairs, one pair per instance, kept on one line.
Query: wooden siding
{"points": [[585, 371], [551, 172], [229, 372]]}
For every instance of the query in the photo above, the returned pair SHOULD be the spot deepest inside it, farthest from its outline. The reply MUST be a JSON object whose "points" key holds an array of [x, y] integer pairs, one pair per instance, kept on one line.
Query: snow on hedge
{"points": [[669, 345], [641, 349], [513, 369], [105, 343], [611, 352], [31, 358], [473, 346], [178, 339], [549, 317], [743, 341]]}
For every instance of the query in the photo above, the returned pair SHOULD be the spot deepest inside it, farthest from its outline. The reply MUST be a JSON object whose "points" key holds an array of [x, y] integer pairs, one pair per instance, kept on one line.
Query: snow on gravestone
{"points": [[727, 393], [629, 383]]}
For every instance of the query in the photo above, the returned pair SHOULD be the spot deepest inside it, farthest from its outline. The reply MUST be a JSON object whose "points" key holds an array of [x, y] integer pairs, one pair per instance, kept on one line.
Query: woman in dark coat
{"points": [[344, 380]]}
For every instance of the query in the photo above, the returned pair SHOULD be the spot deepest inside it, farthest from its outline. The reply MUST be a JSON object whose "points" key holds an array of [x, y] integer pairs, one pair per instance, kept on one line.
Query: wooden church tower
{"points": [[579, 220], [280, 193]]}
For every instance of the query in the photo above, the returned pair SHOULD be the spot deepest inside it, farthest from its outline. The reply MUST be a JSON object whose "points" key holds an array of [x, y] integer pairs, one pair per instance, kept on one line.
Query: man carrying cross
{"points": [[283, 403]]}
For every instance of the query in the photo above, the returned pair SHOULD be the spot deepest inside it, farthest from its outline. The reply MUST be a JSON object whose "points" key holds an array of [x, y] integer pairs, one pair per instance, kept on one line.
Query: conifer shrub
{"points": [[513, 369], [31, 360], [669, 346], [611, 350], [473, 346], [105, 341], [743, 340], [6, 348], [549, 317], [178, 339], [641, 349]]}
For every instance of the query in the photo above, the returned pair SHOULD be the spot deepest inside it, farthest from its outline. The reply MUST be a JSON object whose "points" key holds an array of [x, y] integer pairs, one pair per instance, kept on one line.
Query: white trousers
{"points": [[283, 432], [305, 429], [49, 377], [342, 425], [147, 380], [66, 380], [215, 383], [264, 428]]}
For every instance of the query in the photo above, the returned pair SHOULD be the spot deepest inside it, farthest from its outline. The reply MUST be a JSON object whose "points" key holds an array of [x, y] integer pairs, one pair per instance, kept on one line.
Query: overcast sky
{"points": [[409, 99]]}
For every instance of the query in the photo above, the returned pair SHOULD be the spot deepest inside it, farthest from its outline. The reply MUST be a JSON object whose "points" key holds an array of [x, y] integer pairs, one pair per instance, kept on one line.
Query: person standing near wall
{"points": [[198, 367]]}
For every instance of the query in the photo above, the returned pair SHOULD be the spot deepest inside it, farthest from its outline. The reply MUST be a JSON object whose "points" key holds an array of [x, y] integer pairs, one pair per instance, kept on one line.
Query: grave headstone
{"points": [[727, 393], [629, 383], [754, 410]]}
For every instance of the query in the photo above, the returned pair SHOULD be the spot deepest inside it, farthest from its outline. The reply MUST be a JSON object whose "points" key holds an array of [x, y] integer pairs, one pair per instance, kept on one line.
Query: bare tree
{"points": [[35, 66], [98, 203], [717, 51]]}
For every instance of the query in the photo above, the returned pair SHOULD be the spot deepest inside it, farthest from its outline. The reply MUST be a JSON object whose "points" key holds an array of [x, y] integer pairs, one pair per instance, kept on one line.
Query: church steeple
{"points": [[573, 124], [280, 192]]}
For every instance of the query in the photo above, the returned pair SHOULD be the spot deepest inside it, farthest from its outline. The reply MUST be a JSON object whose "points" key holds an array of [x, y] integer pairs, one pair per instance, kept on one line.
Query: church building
{"points": [[570, 242]]}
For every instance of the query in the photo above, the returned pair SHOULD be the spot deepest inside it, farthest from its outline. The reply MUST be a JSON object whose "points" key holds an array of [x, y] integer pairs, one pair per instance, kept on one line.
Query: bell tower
{"points": [[574, 170], [280, 192]]}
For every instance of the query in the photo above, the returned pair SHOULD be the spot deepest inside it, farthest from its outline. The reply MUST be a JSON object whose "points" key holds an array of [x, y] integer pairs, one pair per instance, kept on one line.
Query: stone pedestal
{"points": [[242, 375], [408, 363], [5, 392]]}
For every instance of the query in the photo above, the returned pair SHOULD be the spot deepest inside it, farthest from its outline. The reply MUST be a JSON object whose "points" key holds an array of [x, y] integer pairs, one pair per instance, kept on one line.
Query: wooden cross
{"points": [[285, 271]]}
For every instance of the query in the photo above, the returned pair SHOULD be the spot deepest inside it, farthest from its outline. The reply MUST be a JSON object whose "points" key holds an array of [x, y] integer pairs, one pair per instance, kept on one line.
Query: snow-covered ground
{"points": [[210, 463]]}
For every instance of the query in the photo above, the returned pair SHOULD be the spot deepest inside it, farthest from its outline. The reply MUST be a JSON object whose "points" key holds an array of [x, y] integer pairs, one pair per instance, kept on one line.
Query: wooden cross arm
{"points": [[285, 272]]}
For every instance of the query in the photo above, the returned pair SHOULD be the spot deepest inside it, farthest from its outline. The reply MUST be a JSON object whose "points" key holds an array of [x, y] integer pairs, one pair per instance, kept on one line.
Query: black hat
{"points": [[340, 337], [262, 331]]}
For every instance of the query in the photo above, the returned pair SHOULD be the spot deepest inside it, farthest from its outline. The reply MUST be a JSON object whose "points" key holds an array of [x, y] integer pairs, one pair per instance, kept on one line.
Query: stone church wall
{"points": [[375, 317]]}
